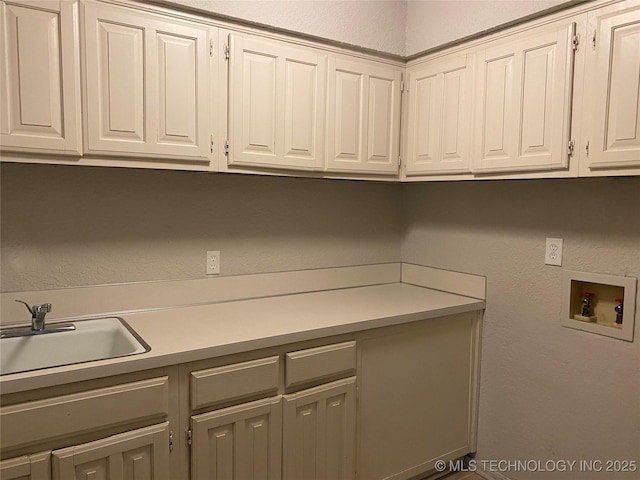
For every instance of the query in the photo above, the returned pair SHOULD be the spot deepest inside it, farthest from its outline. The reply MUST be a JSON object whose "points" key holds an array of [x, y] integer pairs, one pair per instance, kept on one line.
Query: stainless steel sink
{"points": [[96, 339]]}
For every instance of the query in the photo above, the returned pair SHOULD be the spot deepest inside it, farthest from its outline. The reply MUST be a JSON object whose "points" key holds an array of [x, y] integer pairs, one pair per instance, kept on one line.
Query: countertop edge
{"points": [[118, 366]]}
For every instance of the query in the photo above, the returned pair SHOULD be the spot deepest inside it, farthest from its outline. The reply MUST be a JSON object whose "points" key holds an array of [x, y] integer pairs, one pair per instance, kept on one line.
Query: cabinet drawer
{"points": [[233, 382], [318, 363], [41, 420]]}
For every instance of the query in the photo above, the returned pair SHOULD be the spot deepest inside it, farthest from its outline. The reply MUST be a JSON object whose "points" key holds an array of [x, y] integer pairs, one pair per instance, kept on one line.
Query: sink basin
{"points": [[97, 339]]}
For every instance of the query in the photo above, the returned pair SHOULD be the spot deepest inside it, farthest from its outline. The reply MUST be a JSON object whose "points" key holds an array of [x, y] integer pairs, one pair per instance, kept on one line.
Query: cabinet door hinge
{"points": [[226, 147], [593, 38], [402, 87], [170, 441], [189, 437], [570, 148], [212, 143], [211, 48], [575, 42], [227, 53], [586, 148]]}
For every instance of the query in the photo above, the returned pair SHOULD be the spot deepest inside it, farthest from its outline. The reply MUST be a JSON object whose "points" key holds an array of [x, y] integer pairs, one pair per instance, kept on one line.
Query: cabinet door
{"points": [[243, 442], [523, 103], [39, 89], [31, 467], [319, 432], [146, 83], [276, 100], [614, 69], [439, 133], [137, 455], [363, 127], [417, 396]]}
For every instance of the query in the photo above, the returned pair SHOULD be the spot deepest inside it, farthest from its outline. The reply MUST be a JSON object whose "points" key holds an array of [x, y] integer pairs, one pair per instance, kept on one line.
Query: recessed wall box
{"points": [[604, 294]]}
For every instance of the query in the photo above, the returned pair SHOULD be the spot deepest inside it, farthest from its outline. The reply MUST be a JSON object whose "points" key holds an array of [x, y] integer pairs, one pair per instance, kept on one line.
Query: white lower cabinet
{"points": [[27, 467], [118, 431], [288, 413], [241, 442], [308, 434], [319, 432], [141, 454], [417, 397]]}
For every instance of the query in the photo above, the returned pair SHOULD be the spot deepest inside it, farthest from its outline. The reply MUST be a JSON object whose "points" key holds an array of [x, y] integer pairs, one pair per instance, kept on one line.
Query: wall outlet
{"points": [[553, 252], [213, 262]]}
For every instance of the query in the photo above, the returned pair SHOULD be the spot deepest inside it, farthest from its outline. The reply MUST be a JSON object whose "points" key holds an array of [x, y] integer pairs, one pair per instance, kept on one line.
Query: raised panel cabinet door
{"points": [[28, 467], [238, 443], [319, 432], [363, 123], [39, 84], [146, 84], [523, 99], [276, 99], [614, 141], [141, 454], [182, 90], [439, 133]]}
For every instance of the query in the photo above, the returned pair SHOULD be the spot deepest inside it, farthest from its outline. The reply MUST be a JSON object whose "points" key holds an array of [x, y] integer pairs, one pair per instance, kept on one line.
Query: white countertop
{"points": [[185, 334]]}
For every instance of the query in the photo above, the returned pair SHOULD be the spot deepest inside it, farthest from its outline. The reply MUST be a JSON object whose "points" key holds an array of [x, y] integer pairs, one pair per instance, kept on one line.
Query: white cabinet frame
{"points": [[40, 77], [613, 91], [147, 91], [277, 94], [363, 121], [523, 102], [439, 120]]}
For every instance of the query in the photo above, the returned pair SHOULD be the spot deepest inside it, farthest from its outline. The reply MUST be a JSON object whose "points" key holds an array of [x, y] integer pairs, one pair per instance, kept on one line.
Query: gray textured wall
{"points": [[431, 23], [547, 392], [68, 226], [377, 24], [394, 26]]}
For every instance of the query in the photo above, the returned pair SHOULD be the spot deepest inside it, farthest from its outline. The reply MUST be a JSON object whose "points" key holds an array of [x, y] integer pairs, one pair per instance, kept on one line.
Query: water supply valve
{"points": [[619, 309], [586, 314]]}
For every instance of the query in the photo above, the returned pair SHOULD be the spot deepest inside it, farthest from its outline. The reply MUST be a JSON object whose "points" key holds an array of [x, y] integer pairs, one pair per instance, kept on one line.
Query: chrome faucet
{"points": [[38, 327], [38, 312]]}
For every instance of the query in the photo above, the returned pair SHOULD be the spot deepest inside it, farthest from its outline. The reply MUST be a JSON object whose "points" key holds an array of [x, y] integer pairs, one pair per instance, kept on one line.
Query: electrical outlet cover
{"points": [[213, 262], [553, 252]]}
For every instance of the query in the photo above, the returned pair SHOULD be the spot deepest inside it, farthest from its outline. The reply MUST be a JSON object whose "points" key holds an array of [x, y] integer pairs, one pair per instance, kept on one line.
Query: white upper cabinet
{"points": [[439, 120], [277, 94], [39, 86], [147, 84], [363, 127], [523, 102], [613, 91]]}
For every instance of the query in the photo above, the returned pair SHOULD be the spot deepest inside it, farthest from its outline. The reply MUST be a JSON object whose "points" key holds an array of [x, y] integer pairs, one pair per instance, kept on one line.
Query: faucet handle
{"points": [[36, 309], [26, 305], [44, 308]]}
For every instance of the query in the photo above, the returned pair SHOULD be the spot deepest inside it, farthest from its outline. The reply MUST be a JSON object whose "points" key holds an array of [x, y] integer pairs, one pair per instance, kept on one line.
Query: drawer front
{"points": [[41, 420], [234, 382], [319, 363]]}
